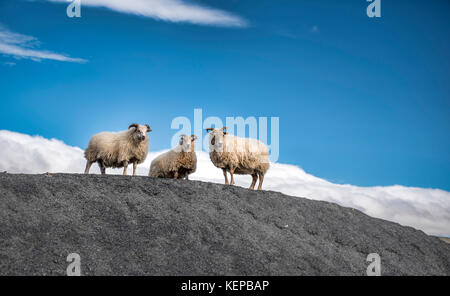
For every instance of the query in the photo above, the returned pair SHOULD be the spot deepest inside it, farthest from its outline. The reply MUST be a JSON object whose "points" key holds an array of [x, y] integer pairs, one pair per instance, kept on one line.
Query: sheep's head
{"points": [[187, 143], [140, 132], [216, 138]]}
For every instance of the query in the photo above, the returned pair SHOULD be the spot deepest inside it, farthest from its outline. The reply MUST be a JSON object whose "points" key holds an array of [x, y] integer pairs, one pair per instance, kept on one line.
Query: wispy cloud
{"points": [[286, 34], [169, 10], [425, 209], [27, 47], [315, 29]]}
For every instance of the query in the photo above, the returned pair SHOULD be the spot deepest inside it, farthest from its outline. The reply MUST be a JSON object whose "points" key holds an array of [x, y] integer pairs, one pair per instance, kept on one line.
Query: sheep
{"points": [[177, 163], [118, 149], [238, 155]]}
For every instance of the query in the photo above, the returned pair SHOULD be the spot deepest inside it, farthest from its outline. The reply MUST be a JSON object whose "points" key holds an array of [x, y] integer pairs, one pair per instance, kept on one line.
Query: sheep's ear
{"points": [[135, 125], [193, 137], [148, 128]]}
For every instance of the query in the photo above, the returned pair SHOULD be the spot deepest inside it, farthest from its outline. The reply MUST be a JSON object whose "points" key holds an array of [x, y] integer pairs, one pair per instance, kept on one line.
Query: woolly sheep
{"points": [[118, 149], [236, 155], [177, 163]]}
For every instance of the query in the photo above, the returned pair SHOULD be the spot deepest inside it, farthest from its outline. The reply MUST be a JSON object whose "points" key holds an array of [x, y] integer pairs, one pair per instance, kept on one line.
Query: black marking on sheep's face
{"points": [[141, 136], [140, 132], [187, 143], [216, 141]]}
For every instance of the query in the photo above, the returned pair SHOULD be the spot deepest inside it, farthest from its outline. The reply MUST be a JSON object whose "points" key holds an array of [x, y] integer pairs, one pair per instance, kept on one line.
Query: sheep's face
{"points": [[216, 139], [140, 131], [187, 143]]}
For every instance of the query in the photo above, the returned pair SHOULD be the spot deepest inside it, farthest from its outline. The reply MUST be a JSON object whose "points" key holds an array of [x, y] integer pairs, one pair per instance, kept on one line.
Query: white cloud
{"points": [[27, 47], [11, 64], [425, 209], [169, 10]]}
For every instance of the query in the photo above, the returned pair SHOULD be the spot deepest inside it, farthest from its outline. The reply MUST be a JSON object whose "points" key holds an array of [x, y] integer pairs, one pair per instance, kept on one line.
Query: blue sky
{"points": [[361, 101]]}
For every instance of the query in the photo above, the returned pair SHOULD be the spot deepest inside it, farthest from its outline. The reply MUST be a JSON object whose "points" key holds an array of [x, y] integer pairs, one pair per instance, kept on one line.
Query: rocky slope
{"points": [[144, 226]]}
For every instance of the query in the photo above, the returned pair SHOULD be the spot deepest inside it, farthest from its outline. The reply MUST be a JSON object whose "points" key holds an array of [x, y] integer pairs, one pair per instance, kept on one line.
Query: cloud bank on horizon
{"points": [[169, 10], [27, 47], [424, 209]]}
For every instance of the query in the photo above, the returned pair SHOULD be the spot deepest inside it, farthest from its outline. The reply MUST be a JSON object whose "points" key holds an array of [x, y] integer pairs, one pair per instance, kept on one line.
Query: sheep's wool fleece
{"points": [[247, 156], [116, 148], [172, 161]]}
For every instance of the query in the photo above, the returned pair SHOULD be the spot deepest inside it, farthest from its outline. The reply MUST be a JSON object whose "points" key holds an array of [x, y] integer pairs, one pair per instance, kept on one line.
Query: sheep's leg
{"points": [[134, 168], [88, 166], [232, 176], [175, 175], [261, 179], [255, 178], [187, 177], [226, 177], [125, 167], [102, 167]]}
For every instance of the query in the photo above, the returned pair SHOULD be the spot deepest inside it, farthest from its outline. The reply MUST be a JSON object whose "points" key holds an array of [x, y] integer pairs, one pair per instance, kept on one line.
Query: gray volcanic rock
{"points": [[144, 226]]}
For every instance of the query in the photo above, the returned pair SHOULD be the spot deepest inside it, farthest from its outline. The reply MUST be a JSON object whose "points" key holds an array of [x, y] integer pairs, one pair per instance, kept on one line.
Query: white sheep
{"points": [[178, 162], [236, 155], [118, 149]]}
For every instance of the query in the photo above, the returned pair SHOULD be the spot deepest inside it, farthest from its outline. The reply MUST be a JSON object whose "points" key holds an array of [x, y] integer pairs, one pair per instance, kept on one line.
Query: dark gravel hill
{"points": [[144, 226]]}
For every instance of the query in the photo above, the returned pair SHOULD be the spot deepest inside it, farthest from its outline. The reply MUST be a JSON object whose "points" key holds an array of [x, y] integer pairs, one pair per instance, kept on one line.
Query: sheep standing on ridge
{"points": [[118, 149], [238, 155], [177, 163]]}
